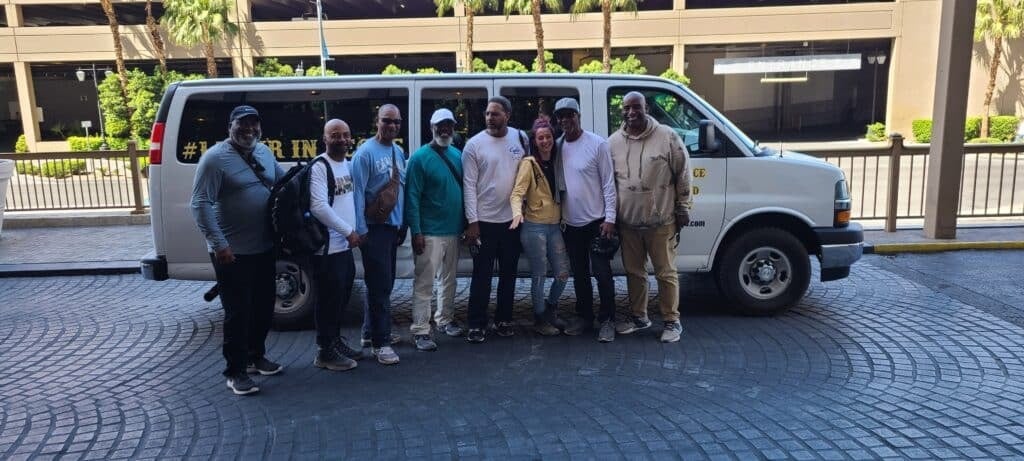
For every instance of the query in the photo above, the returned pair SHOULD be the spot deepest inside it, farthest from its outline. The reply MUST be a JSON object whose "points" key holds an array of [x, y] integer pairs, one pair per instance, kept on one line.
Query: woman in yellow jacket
{"points": [[538, 210]]}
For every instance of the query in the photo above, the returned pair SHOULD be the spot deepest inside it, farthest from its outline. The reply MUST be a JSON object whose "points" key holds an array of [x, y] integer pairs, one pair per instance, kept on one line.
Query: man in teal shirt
{"points": [[433, 212]]}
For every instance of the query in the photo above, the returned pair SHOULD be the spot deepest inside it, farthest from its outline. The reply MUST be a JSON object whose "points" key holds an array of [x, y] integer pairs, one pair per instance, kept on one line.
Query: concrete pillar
{"points": [[679, 58], [14, 18], [945, 159], [678, 4], [27, 103], [241, 49]]}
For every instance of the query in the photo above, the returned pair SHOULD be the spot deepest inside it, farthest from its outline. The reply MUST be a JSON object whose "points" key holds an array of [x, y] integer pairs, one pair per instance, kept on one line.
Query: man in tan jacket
{"points": [[653, 181]]}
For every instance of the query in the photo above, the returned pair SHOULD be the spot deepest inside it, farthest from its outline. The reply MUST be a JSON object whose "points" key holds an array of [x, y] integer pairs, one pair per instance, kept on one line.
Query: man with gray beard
{"points": [[433, 212]]}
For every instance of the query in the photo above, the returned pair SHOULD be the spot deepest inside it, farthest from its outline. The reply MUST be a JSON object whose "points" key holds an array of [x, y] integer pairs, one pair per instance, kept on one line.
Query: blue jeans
{"points": [[543, 244]]}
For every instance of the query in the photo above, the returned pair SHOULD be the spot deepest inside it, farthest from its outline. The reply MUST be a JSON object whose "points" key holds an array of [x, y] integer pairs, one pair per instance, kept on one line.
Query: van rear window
{"points": [[292, 120]]}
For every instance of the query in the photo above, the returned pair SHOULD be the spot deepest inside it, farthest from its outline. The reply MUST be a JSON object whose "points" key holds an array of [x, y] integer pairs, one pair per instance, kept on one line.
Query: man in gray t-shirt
{"points": [[229, 203]]}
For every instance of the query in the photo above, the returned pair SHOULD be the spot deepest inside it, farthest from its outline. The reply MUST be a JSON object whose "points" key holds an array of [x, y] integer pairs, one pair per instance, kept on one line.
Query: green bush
{"points": [[876, 132], [1002, 127], [392, 69], [922, 129], [60, 169], [143, 166], [509, 66], [972, 128], [21, 146], [671, 74], [78, 143], [24, 167], [985, 141], [481, 67]]}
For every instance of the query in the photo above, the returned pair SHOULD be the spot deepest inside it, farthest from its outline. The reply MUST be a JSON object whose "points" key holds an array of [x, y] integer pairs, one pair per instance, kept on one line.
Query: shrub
{"points": [[876, 132], [479, 66], [24, 167], [510, 66], [922, 129], [972, 128], [550, 66], [985, 141], [392, 69], [79, 143], [671, 74], [21, 146], [143, 166], [60, 169], [1002, 127]]}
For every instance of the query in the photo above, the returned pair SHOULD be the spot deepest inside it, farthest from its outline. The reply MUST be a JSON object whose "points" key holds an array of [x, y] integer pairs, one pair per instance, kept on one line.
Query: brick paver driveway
{"points": [[883, 364]]}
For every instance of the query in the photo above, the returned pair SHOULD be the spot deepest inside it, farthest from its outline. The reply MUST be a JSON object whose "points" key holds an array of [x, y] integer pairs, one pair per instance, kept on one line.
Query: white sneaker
{"points": [[385, 355]]}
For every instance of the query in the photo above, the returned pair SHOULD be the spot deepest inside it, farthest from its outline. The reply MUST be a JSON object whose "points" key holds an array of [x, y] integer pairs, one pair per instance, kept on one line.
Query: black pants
{"points": [[378, 253], [247, 293], [584, 264], [334, 275], [499, 242]]}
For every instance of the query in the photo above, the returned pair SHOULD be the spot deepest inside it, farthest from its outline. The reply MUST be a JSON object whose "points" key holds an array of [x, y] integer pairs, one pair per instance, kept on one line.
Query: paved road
{"points": [[885, 364]]}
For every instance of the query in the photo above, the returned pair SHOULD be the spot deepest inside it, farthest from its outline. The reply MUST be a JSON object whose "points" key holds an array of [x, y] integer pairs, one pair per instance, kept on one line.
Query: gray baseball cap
{"points": [[567, 104]]}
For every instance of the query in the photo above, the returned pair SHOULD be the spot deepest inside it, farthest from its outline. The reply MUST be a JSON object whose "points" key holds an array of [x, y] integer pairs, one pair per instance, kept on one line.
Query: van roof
{"points": [[452, 76]]}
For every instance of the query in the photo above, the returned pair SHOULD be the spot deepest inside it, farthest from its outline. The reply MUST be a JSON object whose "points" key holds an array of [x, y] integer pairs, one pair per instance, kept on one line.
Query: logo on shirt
{"points": [[342, 185]]}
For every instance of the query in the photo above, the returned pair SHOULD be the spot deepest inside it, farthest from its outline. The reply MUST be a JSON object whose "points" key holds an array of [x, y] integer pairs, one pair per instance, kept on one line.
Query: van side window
{"points": [[468, 105], [530, 101], [292, 120], [668, 109]]}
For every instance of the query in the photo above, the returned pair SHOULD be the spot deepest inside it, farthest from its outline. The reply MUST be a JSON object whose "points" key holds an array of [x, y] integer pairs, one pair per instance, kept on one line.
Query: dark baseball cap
{"points": [[243, 111]]}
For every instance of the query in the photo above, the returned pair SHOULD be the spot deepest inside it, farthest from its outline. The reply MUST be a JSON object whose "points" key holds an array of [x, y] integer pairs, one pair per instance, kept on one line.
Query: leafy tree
{"points": [[154, 35], [134, 116], [473, 7], [629, 65], [193, 22], [549, 65], [671, 74], [533, 7], [996, 20], [480, 66], [510, 66], [272, 67], [115, 31], [392, 69], [606, 6]]}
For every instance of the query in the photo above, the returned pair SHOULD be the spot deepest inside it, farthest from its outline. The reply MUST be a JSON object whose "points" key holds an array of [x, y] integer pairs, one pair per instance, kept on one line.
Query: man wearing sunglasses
{"points": [[229, 203]]}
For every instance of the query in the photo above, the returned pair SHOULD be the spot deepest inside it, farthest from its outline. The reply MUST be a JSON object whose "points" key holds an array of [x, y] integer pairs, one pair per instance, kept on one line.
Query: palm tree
{"points": [[607, 6], [115, 31], [154, 34], [998, 20], [473, 7], [533, 7], [191, 22]]}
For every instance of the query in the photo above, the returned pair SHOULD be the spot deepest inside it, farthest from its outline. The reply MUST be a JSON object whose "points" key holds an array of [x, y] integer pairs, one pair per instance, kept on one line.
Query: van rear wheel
{"points": [[764, 271], [295, 296]]}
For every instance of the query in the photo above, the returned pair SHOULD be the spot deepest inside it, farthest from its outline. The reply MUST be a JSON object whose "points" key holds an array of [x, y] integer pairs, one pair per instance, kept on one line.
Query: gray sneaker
{"points": [[607, 333], [424, 343], [395, 339], [544, 328], [385, 355], [671, 332], [632, 324], [578, 325], [453, 329], [331, 359]]}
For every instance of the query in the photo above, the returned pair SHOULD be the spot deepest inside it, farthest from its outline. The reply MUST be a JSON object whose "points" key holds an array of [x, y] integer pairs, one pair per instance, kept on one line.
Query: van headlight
{"points": [[843, 204]]}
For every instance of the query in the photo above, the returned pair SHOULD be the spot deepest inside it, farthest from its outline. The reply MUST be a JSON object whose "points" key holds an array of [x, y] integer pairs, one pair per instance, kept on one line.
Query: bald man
{"points": [[372, 167]]}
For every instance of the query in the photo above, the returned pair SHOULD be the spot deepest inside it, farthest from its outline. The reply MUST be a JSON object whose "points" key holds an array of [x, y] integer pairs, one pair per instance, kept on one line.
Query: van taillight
{"points": [[156, 140]]}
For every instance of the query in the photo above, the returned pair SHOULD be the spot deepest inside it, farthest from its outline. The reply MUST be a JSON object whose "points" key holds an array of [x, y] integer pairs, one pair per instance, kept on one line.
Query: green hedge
{"points": [[1001, 127], [984, 141], [80, 143], [876, 132], [21, 145], [922, 130], [53, 168]]}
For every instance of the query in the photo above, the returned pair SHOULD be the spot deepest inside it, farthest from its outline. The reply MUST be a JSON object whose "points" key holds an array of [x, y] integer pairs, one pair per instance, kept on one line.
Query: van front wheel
{"points": [[764, 271], [295, 296]]}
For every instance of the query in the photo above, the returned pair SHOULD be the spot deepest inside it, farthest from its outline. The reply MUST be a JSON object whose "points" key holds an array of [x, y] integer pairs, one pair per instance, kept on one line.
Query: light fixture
{"points": [[800, 79], [80, 75], [300, 71], [881, 58], [108, 72]]}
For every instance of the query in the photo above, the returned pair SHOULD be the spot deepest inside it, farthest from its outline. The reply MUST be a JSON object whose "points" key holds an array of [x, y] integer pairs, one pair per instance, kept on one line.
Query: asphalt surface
{"points": [[909, 358]]}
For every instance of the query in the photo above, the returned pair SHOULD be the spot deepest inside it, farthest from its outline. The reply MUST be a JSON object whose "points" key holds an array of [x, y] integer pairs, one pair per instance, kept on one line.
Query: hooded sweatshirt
{"points": [[652, 175]]}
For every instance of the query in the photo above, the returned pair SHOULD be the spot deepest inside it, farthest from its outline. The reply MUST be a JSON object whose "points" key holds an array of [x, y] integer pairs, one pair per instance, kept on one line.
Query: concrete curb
{"points": [[62, 269], [25, 222], [934, 247]]}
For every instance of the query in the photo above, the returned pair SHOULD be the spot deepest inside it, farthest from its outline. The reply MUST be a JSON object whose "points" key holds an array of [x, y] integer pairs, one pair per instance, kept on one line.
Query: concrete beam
{"points": [[27, 103], [945, 159]]}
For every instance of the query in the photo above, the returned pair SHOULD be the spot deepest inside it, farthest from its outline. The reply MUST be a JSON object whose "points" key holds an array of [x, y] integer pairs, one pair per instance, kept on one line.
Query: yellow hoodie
{"points": [[652, 175], [539, 206]]}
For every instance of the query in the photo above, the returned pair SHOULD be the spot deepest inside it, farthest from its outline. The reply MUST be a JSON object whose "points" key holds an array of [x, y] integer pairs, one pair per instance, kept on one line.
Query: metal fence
{"points": [[79, 180], [889, 182]]}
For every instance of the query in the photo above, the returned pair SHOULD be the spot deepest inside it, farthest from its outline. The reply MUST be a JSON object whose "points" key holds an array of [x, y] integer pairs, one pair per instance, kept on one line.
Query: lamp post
{"points": [[875, 60], [80, 74]]}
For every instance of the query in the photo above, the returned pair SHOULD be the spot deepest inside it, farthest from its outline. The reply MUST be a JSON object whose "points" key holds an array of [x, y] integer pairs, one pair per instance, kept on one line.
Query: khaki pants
{"points": [[637, 246], [437, 263]]}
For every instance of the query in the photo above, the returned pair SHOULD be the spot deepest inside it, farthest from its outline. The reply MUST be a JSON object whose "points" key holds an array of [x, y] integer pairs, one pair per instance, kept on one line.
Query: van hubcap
{"points": [[765, 273], [292, 287]]}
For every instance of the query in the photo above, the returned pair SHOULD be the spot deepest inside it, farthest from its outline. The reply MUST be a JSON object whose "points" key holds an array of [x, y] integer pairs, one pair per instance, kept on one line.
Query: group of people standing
{"points": [[568, 203]]}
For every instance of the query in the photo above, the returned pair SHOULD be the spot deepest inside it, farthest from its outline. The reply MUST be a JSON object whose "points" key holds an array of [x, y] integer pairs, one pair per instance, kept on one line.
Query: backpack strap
{"points": [[330, 178]]}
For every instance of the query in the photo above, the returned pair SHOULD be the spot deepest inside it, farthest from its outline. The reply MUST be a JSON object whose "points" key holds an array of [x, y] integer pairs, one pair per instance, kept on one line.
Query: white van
{"points": [[757, 216]]}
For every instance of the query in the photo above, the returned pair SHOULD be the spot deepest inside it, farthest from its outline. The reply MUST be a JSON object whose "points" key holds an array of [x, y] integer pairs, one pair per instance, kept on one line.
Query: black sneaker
{"points": [[341, 346], [264, 367], [505, 329], [330, 358], [475, 335], [551, 316], [632, 324], [242, 384], [578, 326], [424, 343]]}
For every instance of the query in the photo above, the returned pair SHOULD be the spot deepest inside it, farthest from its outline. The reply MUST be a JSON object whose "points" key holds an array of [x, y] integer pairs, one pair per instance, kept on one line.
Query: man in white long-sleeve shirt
{"points": [[588, 211], [334, 271], [489, 163]]}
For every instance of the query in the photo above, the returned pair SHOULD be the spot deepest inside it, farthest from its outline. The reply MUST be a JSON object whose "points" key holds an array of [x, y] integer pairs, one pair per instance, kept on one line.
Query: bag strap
{"points": [[522, 142], [252, 166], [329, 172], [451, 167], [394, 164]]}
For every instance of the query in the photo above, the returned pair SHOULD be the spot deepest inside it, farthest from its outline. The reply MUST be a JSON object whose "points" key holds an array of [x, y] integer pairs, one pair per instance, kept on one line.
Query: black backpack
{"points": [[296, 232]]}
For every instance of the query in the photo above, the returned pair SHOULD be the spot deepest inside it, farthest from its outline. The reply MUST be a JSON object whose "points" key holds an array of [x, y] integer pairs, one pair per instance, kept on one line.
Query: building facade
{"points": [[886, 53]]}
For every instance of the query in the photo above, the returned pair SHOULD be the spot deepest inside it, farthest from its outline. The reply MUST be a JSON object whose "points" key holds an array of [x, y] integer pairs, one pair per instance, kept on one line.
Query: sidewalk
{"points": [[118, 249]]}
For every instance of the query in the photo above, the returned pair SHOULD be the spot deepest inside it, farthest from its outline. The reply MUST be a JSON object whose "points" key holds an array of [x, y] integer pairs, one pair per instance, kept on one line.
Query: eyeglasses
{"points": [[391, 121]]}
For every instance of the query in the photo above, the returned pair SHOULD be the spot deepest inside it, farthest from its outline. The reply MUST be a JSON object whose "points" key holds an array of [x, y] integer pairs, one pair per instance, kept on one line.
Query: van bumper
{"points": [[840, 248], [154, 267]]}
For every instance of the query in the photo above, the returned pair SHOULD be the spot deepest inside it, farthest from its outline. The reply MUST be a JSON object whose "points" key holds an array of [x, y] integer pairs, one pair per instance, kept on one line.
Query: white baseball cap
{"points": [[441, 115]]}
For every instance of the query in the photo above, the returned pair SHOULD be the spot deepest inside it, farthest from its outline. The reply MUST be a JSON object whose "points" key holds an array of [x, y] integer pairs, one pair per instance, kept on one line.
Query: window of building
{"points": [[298, 10], [292, 121], [86, 15], [530, 102], [668, 109], [698, 4], [468, 105]]}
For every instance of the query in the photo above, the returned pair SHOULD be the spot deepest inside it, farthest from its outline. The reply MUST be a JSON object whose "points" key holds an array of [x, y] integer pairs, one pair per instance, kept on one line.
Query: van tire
{"points": [[774, 255], [294, 296]]}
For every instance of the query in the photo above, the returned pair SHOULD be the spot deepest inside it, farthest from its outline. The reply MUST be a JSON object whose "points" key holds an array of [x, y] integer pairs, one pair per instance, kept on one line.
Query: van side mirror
{"points": [[706, 137]]}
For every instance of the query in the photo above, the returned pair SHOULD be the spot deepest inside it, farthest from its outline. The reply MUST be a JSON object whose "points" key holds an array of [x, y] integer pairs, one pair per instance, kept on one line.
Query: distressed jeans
{"points": [[544, 246]]}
